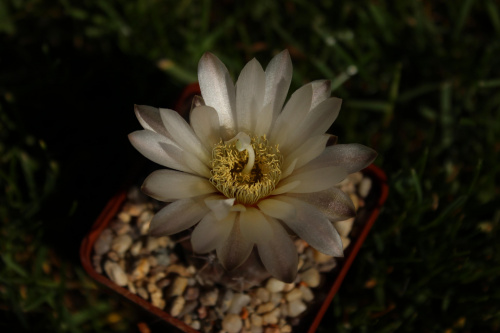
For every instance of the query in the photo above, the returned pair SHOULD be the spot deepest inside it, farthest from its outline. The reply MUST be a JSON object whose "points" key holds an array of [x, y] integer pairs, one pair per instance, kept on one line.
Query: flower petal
{"points": [[317, 121], [278, 78], [150, 119], [284, 188], [352, 157], [313, 226], [178, 216], [235, 249], [198, 167], [314, 180], [183, 134], [249, 95], [333, 202], [170, 185], [279, 254], [264, 121], [277, 208], [254, 225], [210, 232], [220, 206], [309, 150], [321, 91], [290, 118], [205, 123], [159, 149], [218, 91]]}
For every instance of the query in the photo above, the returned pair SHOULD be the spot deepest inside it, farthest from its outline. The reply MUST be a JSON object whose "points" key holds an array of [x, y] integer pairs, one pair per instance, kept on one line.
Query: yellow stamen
{"points": [[245, 168]]}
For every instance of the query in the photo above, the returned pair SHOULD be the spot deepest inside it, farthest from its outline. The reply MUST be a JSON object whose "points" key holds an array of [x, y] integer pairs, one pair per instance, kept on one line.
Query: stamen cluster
{"points": [[228, 164]]}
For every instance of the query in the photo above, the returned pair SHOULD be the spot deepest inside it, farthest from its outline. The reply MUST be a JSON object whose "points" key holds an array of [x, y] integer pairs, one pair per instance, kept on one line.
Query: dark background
{"points": [[420, 82]]}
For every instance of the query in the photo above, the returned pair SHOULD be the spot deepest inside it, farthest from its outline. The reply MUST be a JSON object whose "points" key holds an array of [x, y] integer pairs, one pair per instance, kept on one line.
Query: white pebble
{"points": [[263, 294], [124, 217], [256, 320], [103, 242], [345, 242], [266, 307], [136, 248], [179, 285], [209, 298], [271, 317], [295, 308], [121, 243], [364, 187], [152, 244], [274, 285], [311, 277], [177, 306], [115, 273], [141, 269], [307, 294], [293, 295], [238, 302], [232, 323], [344, 227], [227, 298]]}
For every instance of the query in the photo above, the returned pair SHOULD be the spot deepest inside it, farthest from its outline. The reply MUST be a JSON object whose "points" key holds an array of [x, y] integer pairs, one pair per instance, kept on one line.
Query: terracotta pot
{"points": [[311, 319]]}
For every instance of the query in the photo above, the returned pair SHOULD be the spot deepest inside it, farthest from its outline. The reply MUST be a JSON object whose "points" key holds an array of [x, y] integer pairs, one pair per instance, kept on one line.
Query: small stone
{"points": [[152, 287], [151, 244], [196, 324], [263, 294], [226, 300], [307, 294], [143, 293], [163, 241], [321, 258], [179, 269], [177, 306], [188, 319], [163, 283], [115, 273], [271, 317], [162, 259], [135, 209], [131, 287], [286, 329], [364, 187], [256, 329], [345, 242], [135, 249], [288, 287], [141, 269], [124, 217], [355, 178], [178, 287], [192, 293], [355, 200], [274, 285], [301, 245], [189, 307], [120, 227], [96, 261], [103, 242], [295, 308], [276, 298], [266, 307], [121, 243], [293, 295], [112, 255], [152, 261], [238, 302], [209, 298], [232, 323], [256, 320], [202, 312], [157, 299], [311, 277], [284, 309], [344, 227]]}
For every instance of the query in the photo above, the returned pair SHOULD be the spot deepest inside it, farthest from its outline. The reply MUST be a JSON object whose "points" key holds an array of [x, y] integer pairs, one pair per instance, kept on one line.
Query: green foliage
{"points": [[420, 81]]}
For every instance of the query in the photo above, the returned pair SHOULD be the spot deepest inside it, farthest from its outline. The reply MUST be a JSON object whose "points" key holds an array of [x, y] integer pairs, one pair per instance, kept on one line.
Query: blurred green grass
{"points": [[420, 82]]}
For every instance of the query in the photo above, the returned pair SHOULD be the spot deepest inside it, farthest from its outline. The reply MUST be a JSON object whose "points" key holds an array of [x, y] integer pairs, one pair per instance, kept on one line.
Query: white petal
{"points": [[309, 150], [254, 226], [220, 206], [321, 91], [284, 188], [289, 167], [277, 208], [198, 167], [314, 180], [210, 232], [352, 157], [183, 134], [279, 254], [178, 216], [290, 118], [249, 95], [150, 119], [264, 121], [169, 185], [317, 121], [333, 202], [218, 91], [233, 252], [313, 226], [205, 123], [159, 149], [278, 78]]}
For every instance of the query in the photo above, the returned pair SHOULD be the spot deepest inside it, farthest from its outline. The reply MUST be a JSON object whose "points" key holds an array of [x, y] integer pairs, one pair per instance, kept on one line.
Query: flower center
{"points": [[245, 168]]}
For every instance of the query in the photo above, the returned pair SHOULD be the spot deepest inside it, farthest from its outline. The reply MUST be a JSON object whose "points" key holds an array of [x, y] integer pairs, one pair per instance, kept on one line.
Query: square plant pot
{"points": [[371, 192]]}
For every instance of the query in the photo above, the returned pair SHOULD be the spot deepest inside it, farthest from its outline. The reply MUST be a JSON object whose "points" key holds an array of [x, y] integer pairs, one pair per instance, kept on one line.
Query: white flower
{"points": [[247, 167]]}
